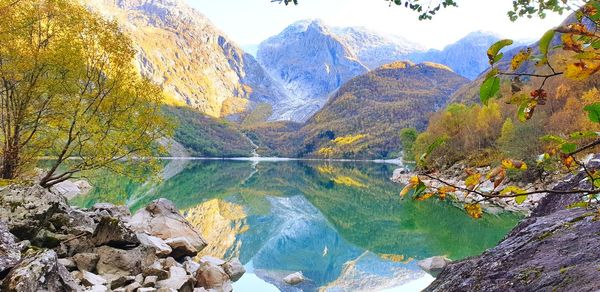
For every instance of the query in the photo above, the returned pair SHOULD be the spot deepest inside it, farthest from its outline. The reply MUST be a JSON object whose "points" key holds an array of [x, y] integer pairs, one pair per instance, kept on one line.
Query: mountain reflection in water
{"points": [[342, 224]]}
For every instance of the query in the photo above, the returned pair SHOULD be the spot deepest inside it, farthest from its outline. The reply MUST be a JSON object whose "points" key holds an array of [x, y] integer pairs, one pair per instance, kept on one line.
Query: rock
{"points": [[86, 261], [294, 279], [150, 281], [97, 288], [68, 263], [24, 245], [67, 189], [10, 252], [181, 247], [191, 267], [146, 289], [162, 220], [178, 280], [133, 287], [213, 260], [39, 272], [113, 232], [90, 279], [162, 248], [121, 281], [27, 210], [169, 262], [121, 262], [155, 269], [84, 186], [121, 212], [200, 289], [434, 265], [234, 269], [211, 276]]}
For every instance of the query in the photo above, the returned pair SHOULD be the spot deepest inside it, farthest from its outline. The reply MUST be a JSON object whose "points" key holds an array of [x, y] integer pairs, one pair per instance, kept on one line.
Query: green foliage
{"points": [[408, 137], [593, 112], [489, 89], [207, 136]]}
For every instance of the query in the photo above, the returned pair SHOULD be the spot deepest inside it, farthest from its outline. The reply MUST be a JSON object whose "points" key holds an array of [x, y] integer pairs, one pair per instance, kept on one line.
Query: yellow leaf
{"points": [[519, 58], [512, 190], [514, 164], [474, 210], [424, 197], [582, 70], [472, 181]]}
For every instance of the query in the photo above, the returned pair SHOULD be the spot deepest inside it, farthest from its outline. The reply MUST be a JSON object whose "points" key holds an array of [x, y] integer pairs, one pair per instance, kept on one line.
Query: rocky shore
{"points": [[556, 248], [47, 245]]}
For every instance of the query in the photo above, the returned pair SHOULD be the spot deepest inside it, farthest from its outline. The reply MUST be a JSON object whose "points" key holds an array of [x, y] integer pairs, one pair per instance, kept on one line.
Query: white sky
{"points": [[251, 21]]}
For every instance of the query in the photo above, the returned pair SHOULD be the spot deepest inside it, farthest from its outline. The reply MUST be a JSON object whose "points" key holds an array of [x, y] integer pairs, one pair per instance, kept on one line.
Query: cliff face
{"points": [[196, 64], [555, 249], [310, 62]]}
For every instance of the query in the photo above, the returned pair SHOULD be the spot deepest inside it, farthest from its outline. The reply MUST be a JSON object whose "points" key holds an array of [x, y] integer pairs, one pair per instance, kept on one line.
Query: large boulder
{"points": [[39, 272], [234, 269], [114, 261], [113, 232], [161, 219], [181, 247], [161, 247], [294, 278], [211, 276], [10, 254]]}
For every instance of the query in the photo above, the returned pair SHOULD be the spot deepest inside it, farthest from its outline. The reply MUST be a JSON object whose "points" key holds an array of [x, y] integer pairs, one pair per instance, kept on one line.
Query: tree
{"points": [[408, 137], [70, 92]]}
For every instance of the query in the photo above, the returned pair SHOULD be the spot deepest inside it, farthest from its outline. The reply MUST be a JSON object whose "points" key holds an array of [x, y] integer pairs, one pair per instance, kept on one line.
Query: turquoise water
{"points": [[342, 224]]}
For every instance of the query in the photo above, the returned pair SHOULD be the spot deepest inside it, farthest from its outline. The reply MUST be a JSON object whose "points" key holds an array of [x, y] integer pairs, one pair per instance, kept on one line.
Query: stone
{"points": [[133, 287], [68, 263], [191, 267], [146, 289], [67, 189], [150, 281], [157, 270], [212, 260], [113, 232], [234, 269], [86, 261], [294, 278], [24, 245], [211, 276], [90, 279], [181, 247], [10, 252], [121, 281], [161, 247], [434, 265], [118, 261], [97, 288], [178, 280], [161, 219], [107, 209], [200, 289], [39, 272], [169, 262]]}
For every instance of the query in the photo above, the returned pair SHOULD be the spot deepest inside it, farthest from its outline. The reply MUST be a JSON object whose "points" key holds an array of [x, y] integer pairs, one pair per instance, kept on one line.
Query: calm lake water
{"points": [[342, 224]]}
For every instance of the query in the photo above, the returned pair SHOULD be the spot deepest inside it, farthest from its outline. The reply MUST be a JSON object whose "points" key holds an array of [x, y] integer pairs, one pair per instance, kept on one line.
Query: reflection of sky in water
{"points": [[342, 224]]}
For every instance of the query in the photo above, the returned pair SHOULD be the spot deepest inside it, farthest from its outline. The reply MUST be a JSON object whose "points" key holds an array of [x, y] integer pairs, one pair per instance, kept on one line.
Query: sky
{"points": [[249, 22]]}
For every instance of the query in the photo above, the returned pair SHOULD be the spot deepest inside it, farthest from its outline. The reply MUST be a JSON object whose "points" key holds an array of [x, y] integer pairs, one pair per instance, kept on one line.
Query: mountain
{"points": [[364, 117], [310, 62], [196, 64], [466, 57], [375, 49]]}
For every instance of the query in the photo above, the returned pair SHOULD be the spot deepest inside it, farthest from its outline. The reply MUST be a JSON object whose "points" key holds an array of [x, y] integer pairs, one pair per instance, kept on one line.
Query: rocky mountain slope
{"points": [[466, 57], [364, 117], [310, 62], [375, 49], [195, 63]]}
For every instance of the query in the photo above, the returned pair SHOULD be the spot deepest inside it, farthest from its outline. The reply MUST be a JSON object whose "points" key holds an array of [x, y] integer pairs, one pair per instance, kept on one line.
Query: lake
{"points": [[342, 224]]}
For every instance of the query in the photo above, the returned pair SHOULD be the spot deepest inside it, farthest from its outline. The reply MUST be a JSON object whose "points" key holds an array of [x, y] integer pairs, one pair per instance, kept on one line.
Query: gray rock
{"points": [[150, 281], [178, 280], [68, 263], [169, 262], [161, 219], [133, 287], [121, 281], [181, 247], [191, 267], [10, 252], [552, 250], [234, 269], [39, 272], [434, 265], [211, 276], [212, 260], [146, 289], [162, 248], [294, 279], [121, 212], [90, 279], [120, 262], [157, 270], [86, 261], [97, 288], [113, 232]]}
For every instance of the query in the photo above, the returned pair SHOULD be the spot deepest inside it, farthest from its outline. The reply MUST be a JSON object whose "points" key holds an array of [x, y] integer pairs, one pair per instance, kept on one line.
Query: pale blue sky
{"points": [[251, 21]]}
